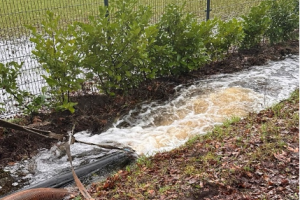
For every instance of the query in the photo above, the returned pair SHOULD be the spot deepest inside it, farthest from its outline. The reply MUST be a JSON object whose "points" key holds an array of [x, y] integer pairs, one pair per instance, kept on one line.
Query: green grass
{"points": [[219, 8], [226, 9], [14, 14]]}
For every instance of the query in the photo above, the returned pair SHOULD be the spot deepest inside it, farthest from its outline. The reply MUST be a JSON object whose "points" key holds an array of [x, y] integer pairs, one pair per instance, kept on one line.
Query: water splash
{"points": [[164, 127]]}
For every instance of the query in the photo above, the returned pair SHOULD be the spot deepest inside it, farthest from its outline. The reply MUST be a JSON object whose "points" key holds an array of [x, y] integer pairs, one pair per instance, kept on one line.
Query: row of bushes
{"points": [[124, 49]]}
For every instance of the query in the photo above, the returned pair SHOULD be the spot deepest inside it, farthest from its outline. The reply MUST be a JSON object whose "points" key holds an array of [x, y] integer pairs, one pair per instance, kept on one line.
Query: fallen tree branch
{"points": [[106, 146], [46, 134]]}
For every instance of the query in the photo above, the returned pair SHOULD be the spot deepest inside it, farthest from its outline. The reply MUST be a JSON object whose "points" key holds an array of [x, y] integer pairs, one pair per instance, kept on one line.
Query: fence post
{"points": [[207, 9], [106, 5]]}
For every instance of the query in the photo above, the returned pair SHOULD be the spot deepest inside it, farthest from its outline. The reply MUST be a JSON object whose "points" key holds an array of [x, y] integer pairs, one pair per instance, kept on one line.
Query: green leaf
{"points": [[118, 78]]}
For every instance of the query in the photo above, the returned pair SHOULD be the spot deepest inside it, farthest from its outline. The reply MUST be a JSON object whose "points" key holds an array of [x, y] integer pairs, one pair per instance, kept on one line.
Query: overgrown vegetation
{"points": [[123, 50]]}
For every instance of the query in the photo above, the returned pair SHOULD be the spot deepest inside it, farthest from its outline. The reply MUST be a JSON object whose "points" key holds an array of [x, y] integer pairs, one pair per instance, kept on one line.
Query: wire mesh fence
{"points": [[16, 14], [227, 9]]}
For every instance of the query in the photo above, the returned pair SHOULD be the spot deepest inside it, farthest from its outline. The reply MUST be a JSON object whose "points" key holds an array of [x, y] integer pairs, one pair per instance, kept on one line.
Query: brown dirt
{"points": [[97, 112]]}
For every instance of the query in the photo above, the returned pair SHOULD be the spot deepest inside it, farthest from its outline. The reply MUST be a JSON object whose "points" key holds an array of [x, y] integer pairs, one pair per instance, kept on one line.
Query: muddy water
{"points": [[164, 127], [155, 127]]}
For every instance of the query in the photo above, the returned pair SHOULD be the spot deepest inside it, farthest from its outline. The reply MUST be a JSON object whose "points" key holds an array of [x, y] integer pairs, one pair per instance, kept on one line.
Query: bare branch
{"points": [[46, 134]]}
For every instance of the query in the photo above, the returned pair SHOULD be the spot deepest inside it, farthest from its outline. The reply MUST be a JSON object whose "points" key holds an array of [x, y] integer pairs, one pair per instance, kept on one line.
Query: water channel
{"points": [[156, 127]]}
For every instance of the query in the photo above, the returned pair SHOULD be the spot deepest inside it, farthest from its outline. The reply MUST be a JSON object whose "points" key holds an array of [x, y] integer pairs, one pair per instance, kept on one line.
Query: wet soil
{"points": [[96, 113]]}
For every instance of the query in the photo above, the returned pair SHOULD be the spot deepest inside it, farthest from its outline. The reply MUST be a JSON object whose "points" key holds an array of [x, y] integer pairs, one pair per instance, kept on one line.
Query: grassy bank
{"points": [[252, 158]]}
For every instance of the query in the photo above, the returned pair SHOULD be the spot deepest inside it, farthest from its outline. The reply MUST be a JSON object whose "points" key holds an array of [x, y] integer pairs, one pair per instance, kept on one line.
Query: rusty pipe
{"points": [[39, 194]]}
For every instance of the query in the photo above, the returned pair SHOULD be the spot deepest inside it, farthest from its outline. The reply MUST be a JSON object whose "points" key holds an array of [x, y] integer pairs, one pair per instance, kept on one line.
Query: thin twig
{"points": [[80, 186]]}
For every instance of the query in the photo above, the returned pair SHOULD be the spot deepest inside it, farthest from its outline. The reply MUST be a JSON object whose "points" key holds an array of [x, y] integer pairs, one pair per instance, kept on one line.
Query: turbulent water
{"points": [[195, 110]]}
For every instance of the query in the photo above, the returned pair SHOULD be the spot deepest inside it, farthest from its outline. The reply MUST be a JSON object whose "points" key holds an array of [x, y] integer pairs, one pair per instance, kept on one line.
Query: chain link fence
{"points": [[16, 14]]}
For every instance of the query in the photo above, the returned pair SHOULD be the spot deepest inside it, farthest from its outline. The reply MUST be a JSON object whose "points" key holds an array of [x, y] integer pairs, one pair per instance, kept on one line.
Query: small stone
{"points": [[15, 184]]}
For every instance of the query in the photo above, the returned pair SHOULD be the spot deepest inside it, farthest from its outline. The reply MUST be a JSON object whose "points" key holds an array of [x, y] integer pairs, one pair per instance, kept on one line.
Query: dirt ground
{"points": [[97, 112]]}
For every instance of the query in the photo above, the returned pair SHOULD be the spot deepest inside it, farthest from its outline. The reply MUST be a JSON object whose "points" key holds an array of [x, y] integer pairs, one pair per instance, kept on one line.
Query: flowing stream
{"points": [[156, 127]]}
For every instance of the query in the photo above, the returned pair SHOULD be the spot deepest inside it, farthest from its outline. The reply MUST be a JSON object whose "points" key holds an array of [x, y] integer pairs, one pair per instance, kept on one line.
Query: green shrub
{"points": [[297, 12], [219, 36], [295, 5], [178, 47], [207, 32], [115, 49], [275, 20], [284, 20], [230, 35], [9, 73], [255, 25], [56, 51], [26, 102]]}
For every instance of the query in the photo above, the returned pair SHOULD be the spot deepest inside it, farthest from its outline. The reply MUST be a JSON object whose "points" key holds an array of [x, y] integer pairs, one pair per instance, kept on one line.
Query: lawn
{"points": [[14, 14]]}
